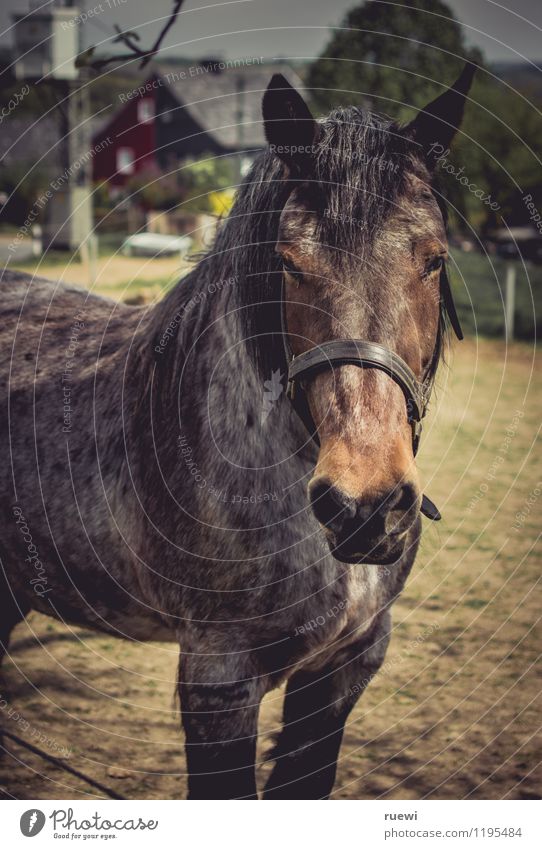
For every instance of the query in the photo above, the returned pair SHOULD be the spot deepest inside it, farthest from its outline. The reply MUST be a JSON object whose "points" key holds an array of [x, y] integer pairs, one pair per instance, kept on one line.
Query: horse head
{"points": [[362, 240]]}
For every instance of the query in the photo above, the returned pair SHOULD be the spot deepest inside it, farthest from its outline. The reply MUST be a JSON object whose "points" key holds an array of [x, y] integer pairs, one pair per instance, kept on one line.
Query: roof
{"points": [[227, 104]]}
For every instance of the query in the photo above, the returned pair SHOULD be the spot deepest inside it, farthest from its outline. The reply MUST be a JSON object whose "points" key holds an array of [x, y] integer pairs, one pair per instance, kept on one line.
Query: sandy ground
{"points": [[457, 710]]}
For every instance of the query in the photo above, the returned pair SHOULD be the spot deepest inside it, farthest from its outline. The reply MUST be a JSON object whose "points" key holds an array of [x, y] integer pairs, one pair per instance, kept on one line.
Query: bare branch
{"points": [[128, 38]]}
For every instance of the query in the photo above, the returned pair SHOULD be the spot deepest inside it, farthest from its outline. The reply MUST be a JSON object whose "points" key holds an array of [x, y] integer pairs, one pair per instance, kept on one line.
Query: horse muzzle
{"points": [[365, 530]]}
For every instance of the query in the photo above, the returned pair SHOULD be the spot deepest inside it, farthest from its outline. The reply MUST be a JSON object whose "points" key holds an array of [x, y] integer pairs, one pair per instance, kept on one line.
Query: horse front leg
{"points": [[220, 701], [316, 707]]}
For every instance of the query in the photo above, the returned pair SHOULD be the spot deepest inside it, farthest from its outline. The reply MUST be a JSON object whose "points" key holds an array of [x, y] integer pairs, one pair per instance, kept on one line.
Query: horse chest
{"points": [[344, 621]]}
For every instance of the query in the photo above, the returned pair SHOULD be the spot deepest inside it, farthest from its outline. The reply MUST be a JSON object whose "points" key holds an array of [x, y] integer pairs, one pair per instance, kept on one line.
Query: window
{"points": [[125, 160], [145, 110]]}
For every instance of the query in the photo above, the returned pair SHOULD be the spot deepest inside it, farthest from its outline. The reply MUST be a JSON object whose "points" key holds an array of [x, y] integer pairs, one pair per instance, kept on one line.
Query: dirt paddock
{"points": [[455, 713]]}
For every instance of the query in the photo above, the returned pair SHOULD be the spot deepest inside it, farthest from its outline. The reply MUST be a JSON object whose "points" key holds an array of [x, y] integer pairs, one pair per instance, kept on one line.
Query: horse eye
{"points": [[435, 264], [290, 268]]}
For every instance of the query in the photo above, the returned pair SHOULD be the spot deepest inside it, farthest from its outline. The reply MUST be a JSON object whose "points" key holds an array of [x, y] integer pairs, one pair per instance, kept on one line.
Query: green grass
{"points": [[476, 603], [478, 284]]}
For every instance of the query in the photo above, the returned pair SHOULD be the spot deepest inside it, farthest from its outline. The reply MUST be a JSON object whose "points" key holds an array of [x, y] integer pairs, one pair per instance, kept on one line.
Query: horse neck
{"points": [[200, 324]]}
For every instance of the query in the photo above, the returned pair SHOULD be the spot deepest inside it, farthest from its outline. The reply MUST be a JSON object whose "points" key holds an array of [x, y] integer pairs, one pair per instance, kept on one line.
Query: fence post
{"points": [[510, 303], [88, 253]]}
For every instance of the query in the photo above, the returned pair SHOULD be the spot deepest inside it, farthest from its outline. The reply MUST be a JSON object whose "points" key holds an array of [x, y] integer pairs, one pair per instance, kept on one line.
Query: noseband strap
{"points": [[357, 352]]}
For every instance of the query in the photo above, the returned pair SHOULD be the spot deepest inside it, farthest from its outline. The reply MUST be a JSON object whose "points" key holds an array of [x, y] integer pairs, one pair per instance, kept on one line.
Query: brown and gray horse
{"points": [[158, 482]]}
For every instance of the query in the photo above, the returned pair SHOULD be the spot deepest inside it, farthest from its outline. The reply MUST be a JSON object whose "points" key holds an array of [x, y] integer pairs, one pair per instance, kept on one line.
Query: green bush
{"points": [[191, 186]]}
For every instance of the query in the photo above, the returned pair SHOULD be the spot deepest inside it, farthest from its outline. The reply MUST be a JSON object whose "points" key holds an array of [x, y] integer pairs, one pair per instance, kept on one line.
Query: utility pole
{"points": [[510, 303], [240, 122], [47, 46]]}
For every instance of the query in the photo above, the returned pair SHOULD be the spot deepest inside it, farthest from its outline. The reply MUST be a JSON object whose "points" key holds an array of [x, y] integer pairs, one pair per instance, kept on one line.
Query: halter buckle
{"points": [[416, 435], [290, 389]]}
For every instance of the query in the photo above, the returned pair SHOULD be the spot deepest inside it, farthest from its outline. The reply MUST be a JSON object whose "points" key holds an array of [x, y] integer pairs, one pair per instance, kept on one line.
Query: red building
{"points": [[182, 112], [133, 133]]}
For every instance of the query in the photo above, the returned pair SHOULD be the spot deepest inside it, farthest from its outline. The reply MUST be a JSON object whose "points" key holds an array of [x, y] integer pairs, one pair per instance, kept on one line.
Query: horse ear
{"points": [[289, 125], [436, 125]]}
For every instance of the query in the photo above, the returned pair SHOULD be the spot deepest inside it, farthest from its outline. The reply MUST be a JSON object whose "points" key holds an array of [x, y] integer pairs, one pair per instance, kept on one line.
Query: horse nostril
{"points": [[331, 506], [406, 498], [403, 500]]}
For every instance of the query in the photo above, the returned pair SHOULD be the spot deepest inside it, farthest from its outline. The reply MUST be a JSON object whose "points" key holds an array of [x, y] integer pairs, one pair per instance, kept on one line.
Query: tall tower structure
{"points": [[47, 46]]}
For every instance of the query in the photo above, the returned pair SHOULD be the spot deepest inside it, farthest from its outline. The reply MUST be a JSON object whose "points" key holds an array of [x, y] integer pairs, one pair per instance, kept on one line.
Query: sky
{"points": [[509, 30]]}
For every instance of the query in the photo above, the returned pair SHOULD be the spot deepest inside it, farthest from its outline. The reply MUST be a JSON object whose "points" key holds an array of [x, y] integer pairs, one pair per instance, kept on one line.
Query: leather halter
{"points": [[359, 352]]}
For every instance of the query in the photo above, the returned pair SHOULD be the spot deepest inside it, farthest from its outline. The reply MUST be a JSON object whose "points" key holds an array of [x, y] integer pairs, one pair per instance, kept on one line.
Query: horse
{"points": [[232, 468]]}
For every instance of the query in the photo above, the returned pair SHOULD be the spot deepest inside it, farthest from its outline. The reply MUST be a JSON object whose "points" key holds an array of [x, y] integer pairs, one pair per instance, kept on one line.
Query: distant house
{"points": [[132, 130], [185, 111]]}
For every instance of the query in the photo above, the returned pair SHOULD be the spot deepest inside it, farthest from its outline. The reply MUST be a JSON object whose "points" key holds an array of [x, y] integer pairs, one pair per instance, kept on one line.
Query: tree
{"points": [[499, 146], [395, 57], [389, 54]]}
